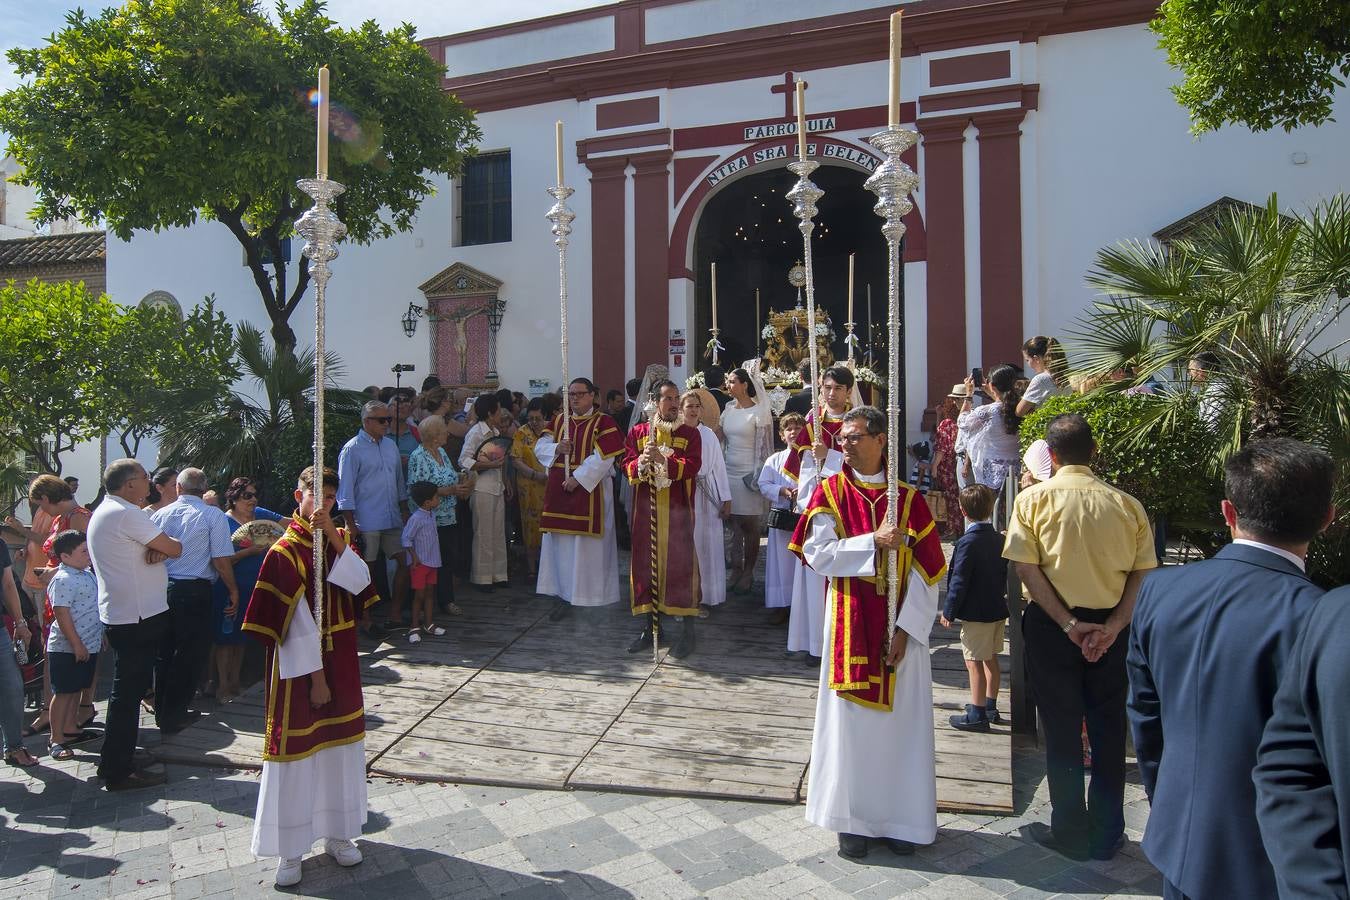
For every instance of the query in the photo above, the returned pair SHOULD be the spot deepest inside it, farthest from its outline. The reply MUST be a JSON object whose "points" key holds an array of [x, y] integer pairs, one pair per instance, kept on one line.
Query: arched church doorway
{"points": [[748, 229]]}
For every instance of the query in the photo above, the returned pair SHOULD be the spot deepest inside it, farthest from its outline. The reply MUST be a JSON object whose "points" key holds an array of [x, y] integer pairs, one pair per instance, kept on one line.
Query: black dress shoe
{"points": [[560, 612], [178, 725], [1110, 851], [899, 847], [643, 642], [1042, 834], [852, 846], [684, 644], [484, 588], [136, 780]]}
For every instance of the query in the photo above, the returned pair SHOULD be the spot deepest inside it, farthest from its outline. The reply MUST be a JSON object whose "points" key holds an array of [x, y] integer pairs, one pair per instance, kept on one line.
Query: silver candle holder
{"points": [[323, 231], [893, 182], [561, 215], [803, 196]]}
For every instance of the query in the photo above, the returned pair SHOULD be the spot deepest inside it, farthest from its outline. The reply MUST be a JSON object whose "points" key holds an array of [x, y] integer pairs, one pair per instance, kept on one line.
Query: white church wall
{"points": [[700, 17], [1114, 160]]}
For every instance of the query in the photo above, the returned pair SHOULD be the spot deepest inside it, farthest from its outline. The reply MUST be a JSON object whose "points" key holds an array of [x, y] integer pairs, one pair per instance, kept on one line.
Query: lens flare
{"points": [[358, 142]]}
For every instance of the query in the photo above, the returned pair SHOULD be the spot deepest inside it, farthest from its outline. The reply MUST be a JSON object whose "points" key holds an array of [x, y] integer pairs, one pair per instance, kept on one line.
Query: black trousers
{"points": [[138, 648], [184, 660], [447, 537], [1069, 690], [1172, 892]]}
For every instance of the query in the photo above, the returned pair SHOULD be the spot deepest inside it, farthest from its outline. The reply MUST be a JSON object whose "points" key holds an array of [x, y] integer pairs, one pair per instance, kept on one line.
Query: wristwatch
{"points": [[1068, 626]]}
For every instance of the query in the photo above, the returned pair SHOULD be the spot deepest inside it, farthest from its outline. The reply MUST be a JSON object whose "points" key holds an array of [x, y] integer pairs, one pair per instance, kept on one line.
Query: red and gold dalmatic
{"points": [[579, 512], [857, 614], [677, 586], [792, 465], [294, 728]]}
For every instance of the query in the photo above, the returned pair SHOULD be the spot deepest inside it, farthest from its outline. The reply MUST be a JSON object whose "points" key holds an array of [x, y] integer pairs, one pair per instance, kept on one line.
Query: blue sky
{"points": [[28, 24]]}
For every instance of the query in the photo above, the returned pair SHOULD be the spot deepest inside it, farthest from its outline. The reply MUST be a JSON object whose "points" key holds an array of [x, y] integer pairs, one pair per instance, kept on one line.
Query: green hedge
{"points": [[1168, 477], [295, 450]]}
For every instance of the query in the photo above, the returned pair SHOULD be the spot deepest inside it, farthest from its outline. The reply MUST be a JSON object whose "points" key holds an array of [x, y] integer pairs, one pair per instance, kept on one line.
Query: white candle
{"points": [[557, 142], [801, 120], [893, 109], [323, 122], [850, 287], [756, 317], [714, 294]]}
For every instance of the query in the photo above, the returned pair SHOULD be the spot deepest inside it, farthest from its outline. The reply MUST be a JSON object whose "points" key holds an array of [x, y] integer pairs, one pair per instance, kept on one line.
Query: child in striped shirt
{"points": [[424, 559]]}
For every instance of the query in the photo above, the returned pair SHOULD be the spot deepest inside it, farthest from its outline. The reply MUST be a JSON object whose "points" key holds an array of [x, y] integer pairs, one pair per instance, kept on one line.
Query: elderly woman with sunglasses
{"points": [[241, 507]]}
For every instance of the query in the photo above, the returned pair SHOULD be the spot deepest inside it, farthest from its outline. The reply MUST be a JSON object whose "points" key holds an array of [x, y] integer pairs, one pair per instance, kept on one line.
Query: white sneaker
{"points": [[435, 630], [288, 872], [344, 851], [414, 637]]}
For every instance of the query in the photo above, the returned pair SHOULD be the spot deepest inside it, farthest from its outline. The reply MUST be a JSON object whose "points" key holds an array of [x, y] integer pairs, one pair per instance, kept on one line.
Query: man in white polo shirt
{"points": [[128, 553]]}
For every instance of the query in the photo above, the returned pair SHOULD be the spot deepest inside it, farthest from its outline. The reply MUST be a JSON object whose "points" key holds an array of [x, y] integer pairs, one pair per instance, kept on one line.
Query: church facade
{"points": [[1047, 131]]}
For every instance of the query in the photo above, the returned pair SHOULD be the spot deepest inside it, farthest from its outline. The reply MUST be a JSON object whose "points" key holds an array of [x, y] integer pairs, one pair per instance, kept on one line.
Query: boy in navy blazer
{"points": [[977, 588], [1208, 646]]}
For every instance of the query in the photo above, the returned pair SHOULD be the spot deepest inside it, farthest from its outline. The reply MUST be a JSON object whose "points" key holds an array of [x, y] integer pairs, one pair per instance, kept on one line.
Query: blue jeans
{"points": [[11, 699]]}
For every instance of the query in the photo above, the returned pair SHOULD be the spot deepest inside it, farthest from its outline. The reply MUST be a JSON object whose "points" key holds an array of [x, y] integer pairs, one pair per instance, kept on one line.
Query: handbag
{"points": [[937, 505], [751, 481], [783, 519]]}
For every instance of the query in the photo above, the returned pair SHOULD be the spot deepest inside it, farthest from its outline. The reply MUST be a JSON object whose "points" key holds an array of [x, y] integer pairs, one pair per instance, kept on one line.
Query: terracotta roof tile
{"points": [[81, 246]]}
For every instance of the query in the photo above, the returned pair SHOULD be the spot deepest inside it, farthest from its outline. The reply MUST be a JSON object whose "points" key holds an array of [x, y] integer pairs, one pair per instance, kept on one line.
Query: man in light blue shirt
{"points": [[208, 553], [371, 491]]}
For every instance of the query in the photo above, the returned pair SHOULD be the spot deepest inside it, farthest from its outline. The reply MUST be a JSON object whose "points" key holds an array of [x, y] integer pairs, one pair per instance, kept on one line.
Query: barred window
{"points": [[485, 199]]}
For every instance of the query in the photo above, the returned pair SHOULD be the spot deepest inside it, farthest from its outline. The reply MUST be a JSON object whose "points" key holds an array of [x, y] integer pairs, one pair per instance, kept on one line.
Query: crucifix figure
{"points": [[788, 89]]}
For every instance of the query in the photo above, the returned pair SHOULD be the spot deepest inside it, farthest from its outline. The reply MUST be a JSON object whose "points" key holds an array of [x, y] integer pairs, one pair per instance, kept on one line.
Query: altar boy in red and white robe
{"points": [[314, 763], [662, 460], [872, 768]]}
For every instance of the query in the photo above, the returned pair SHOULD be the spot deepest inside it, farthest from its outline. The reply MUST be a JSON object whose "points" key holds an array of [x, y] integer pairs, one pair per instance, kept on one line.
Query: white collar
{"points": [[1278, 551], [970, 525], [878, 478]]}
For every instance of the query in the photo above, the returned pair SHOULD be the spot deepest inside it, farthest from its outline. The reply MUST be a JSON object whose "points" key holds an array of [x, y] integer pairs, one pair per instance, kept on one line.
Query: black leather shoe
{"points": [[684, 644], [973, 719], [1042, 834], [1110, 851], [852, 846], [899, 847], [560, 612], [643, 642], [178, 725]]}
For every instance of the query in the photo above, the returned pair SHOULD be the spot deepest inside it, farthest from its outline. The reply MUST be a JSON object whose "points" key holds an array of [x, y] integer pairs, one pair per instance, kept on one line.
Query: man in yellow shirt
{"points": [[1081, 548]]}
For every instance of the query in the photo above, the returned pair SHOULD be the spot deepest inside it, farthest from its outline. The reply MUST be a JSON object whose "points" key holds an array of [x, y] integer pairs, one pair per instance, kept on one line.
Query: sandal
{"points": [[60, 752], [92, 716], [82, 736], [12, 757]]}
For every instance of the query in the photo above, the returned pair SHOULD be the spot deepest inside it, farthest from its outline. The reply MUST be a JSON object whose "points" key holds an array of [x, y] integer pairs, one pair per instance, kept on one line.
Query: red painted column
{"points": [[944, 216], [608, 181], [651, 235], [1000, 234]]}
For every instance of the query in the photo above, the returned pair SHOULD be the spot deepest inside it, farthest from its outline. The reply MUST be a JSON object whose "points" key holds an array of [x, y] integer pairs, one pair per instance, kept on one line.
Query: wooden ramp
{"points": [[508, 697]]}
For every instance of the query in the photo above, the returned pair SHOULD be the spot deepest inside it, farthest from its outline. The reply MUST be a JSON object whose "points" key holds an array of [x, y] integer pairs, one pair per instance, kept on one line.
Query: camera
{"points": [[403, 367]]}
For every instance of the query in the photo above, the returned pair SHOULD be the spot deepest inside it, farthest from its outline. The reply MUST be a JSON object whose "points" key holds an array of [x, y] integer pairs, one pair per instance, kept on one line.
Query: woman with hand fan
{"points": [[486, 453]]}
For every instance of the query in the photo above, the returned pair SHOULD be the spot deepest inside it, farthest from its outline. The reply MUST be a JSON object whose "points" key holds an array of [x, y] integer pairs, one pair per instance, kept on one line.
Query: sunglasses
{"points": [[383, 420]]}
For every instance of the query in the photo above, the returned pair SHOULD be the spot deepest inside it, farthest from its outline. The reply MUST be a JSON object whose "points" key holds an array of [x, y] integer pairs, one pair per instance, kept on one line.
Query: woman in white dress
{"points": [[991, 429], [712, 505], [781, 493], [747, 424]]}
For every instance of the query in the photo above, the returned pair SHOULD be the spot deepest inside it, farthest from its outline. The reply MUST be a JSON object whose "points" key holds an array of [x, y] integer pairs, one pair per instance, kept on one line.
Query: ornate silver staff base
{"points": [[893, 182], [322, 231], [803, 196]]}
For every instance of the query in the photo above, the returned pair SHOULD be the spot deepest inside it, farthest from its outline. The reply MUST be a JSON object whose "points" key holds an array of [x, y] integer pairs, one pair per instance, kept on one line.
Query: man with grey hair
{"points": [[127, 550], [207, 554], [372, 491]]}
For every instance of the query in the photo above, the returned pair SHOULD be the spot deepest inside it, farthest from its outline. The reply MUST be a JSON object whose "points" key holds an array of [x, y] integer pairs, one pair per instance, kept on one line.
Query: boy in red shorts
{"points": [[424, 558]]}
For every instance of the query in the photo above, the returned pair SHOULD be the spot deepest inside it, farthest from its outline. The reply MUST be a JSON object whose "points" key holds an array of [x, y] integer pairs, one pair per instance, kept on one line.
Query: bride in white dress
{"points": [[747, 424]]}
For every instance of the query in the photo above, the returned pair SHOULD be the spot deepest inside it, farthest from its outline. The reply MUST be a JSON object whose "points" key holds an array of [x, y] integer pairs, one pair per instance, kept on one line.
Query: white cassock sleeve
{"points": [[714, 465], [299, 653], [809, 476], [771, 480], [593, 470], [545, 449], [830, 555]]}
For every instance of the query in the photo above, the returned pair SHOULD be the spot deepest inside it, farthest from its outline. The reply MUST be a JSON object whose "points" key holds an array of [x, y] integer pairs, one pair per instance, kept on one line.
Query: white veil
{"points": [[642, 403], [763, 412]]}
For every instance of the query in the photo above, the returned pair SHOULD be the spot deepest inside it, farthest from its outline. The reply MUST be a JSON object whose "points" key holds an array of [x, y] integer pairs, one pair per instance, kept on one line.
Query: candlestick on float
{"points": [[322, 231], [562, 217], [803, 197], [757, 327], [871, 338], [892, 182], [714, 345], [850, 340]]}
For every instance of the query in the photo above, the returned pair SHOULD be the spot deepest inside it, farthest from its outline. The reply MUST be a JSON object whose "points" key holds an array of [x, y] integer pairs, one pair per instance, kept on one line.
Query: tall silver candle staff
{"points": [[893, 182], [803, 197], [322, 231], [562, 217]]}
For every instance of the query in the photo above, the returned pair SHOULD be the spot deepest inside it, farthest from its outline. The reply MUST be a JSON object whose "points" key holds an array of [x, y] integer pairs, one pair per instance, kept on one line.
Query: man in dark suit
{"points": [[1209, 643], [715, 380], [1302, 771], [800, 402]]}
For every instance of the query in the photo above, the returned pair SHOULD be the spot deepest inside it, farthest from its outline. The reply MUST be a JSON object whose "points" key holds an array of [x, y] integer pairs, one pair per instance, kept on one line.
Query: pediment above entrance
{"points": [[459, 280]]}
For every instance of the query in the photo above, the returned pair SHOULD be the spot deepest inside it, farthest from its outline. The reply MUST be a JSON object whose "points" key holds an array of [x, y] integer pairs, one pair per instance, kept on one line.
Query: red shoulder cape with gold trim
{"points": [[857, 612], [792, 465], [581, 512], [294, 729]]}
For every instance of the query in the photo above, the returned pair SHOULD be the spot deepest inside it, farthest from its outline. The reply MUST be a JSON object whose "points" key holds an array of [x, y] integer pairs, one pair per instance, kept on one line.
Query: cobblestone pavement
{"points": [[60, 836]]}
